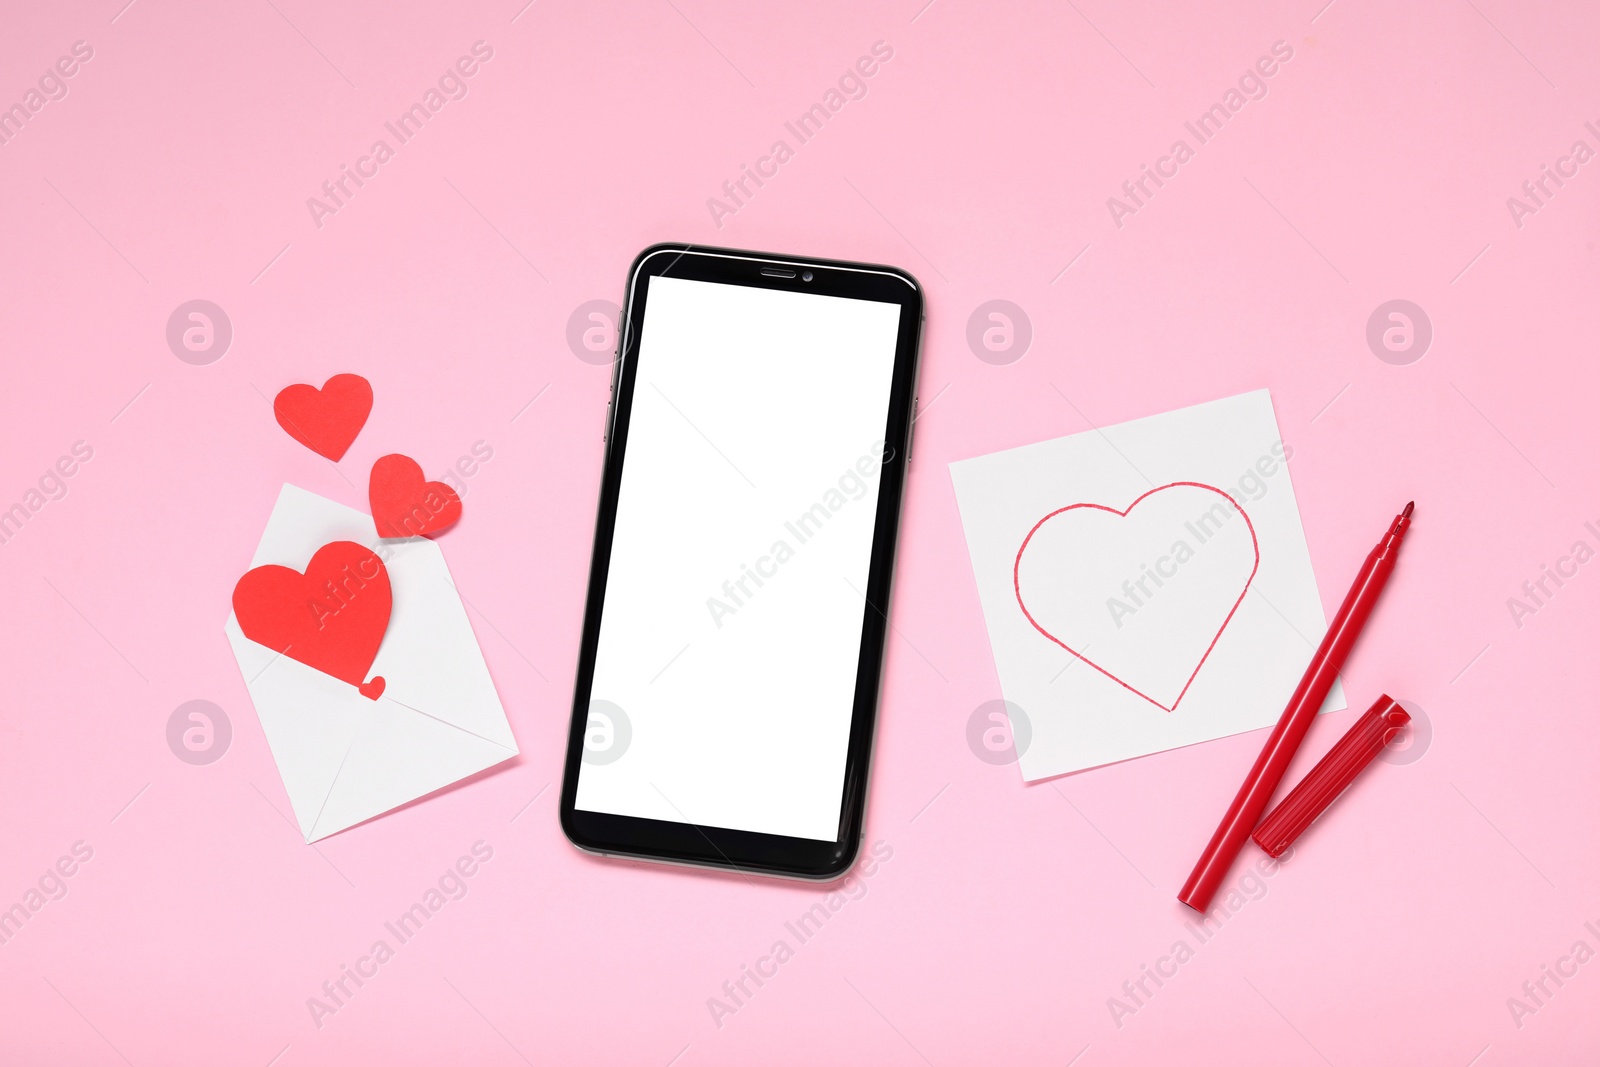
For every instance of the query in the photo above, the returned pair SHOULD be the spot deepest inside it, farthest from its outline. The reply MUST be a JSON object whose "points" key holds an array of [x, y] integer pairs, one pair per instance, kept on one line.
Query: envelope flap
{"points": [[303, 522]]}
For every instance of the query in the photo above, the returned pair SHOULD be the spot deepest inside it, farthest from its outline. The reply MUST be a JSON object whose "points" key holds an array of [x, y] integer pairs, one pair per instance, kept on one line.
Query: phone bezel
{"points": [[708, 846]]}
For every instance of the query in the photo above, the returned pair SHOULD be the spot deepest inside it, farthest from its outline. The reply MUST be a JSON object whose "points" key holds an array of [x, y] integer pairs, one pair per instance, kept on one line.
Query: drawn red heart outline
{"points": [[1255, 546], [326, 617]]}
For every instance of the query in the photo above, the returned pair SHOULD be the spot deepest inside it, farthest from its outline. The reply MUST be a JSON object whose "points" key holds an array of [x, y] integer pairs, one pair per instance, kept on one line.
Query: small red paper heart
{"points": [[405, 505], [325, 420], [332, 618]]}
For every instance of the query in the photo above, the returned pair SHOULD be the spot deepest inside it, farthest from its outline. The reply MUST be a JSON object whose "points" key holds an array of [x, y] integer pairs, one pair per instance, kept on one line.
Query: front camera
{"points": [[805, 277]]}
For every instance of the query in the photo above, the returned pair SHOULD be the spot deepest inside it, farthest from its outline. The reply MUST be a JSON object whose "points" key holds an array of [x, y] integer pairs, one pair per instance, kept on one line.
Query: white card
{"points": [[1146, 586], [345, 758]]}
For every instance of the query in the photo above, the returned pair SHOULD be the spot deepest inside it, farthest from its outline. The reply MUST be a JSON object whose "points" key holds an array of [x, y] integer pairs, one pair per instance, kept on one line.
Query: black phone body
{"points": [[732, 647]]}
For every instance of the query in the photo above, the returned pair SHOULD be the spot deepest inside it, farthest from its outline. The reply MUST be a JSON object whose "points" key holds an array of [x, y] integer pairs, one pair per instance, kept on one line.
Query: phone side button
{"points": [[911, 433]]}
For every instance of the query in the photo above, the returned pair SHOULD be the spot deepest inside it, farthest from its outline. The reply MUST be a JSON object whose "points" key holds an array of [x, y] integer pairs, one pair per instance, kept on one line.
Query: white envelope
{"points": [[345, 758]]}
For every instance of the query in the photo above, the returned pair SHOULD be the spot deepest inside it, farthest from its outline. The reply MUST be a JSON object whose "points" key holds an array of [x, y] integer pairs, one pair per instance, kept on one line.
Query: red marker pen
{"points": [[1263, 779]]}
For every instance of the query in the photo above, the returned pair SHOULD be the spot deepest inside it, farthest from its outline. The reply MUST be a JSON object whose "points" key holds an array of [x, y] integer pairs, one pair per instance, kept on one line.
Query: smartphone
{"points": [[757, 441]]}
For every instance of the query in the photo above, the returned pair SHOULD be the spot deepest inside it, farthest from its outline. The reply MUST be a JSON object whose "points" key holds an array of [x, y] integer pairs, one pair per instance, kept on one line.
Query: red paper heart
{"points": [[331, 618], [404, 505], [325, 420]]}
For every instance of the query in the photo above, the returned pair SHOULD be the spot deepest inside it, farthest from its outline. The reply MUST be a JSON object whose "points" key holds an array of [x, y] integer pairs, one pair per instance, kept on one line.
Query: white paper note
{"points": [[1146, 586]]}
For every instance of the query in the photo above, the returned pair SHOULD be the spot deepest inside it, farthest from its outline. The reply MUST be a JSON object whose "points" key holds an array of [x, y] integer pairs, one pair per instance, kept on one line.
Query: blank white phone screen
{"points": [[725, 676]]}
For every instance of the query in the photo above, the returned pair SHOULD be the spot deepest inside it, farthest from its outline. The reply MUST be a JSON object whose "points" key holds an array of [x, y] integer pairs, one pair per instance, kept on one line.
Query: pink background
{"points": [[1377, 167]]}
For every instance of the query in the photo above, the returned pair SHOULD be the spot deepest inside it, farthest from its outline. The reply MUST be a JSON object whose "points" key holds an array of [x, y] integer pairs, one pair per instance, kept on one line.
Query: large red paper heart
{"points": [[404, 504], [1144, 594], [331, 618], [325, 420]]}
